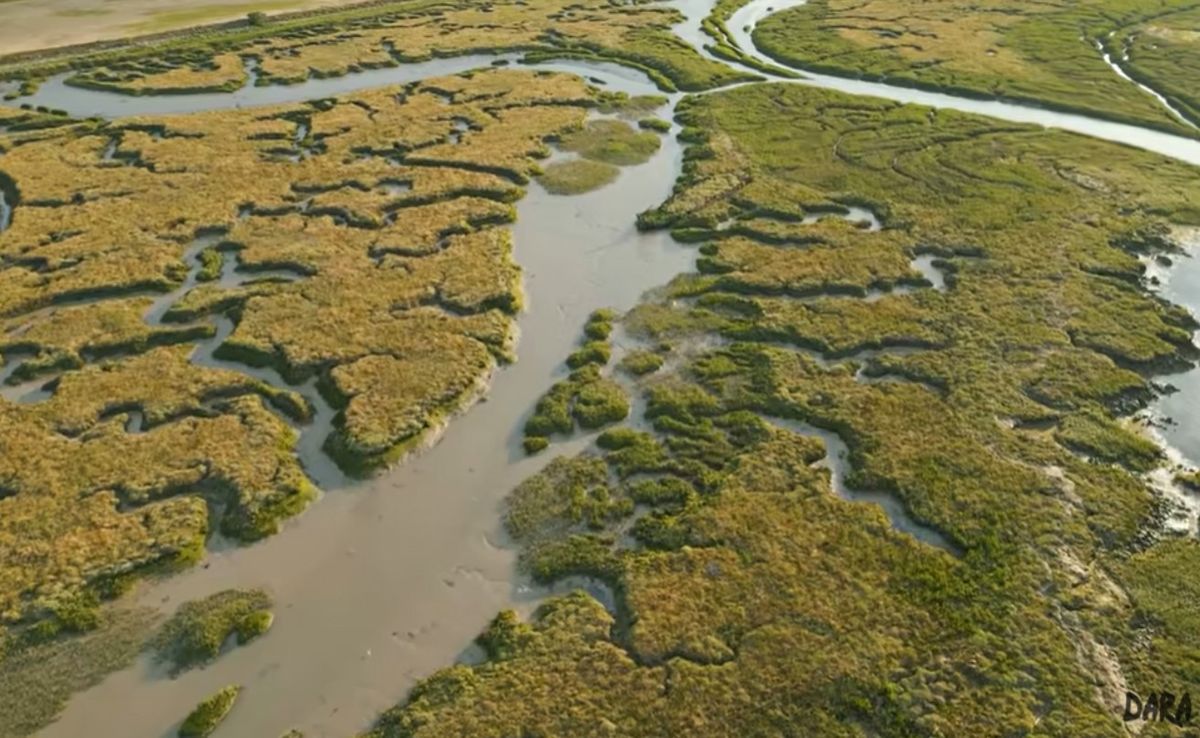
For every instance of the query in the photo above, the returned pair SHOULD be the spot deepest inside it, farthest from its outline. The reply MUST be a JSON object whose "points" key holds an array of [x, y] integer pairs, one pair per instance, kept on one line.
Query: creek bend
{"points": [[386, 581]]}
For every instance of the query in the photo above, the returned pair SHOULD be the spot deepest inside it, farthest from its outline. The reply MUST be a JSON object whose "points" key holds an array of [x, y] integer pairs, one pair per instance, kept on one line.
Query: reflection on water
{"points": [[1180, 284]]}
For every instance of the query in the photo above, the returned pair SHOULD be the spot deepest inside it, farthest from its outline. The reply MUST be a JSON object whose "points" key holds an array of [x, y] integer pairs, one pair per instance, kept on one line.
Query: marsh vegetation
{"points": [[397, 301], [1041, 52], [745, 589], [956, 301]]}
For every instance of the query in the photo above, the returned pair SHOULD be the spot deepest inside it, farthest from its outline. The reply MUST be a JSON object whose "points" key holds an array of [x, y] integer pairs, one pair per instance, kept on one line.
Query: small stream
{"points": [[837, 461], [1120, 72], [5, 213]]}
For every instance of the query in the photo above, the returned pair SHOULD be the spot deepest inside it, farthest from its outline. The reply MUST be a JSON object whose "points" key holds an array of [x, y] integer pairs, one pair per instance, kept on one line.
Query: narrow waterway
{"points": [[1114, 65], [385, 581], [5, 213], [837, 461]]}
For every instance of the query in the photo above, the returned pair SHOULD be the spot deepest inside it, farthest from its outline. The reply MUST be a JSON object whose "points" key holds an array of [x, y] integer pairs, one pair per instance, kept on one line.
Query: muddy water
{"points": [[385, 581]]}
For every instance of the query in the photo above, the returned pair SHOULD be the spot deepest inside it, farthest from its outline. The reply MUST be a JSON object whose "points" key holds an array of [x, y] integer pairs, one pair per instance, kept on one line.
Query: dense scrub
{"points": [[387, 277], [209, 714], [1041, 52], [196, 632], [750, 598]]}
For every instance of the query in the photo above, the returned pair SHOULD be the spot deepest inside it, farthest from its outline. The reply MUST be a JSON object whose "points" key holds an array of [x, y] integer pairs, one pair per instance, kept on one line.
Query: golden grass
{"points": [[637, 34], [401, 300]]}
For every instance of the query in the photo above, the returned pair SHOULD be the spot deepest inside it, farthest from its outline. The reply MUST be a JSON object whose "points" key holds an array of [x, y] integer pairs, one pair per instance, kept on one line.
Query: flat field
{"points": [[29, 25]]}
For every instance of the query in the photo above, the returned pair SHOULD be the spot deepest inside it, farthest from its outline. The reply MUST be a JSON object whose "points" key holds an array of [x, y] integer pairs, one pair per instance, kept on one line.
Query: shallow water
{"points": [[5, 213], [1180, 284], [385, 581], [79, 102]]}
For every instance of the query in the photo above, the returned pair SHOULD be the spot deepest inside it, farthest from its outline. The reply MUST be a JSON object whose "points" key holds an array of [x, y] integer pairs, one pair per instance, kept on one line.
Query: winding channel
{"points": [[392, 578]]}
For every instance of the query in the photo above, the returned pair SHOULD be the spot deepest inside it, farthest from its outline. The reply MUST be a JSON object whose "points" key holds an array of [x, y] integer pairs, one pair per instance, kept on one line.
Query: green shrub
{"points": [[654, 124], [640, 363], [592, 352], [534, 444], [196, 632], [203, 720], [253, 625]]}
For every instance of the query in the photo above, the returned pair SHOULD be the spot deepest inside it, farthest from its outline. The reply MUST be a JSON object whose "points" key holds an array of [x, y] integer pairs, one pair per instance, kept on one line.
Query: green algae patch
{"points": [[194, 635], [36, 679], [612, 142], [577, 176], [603, 145], [210, 713]]}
